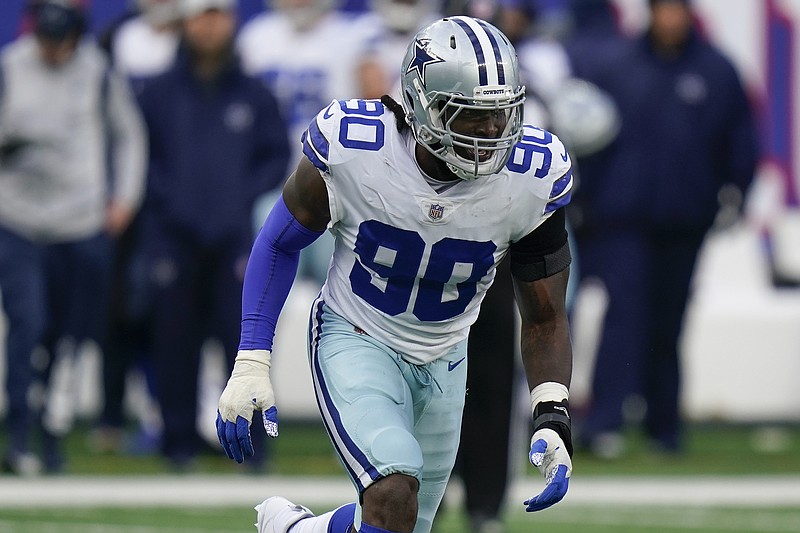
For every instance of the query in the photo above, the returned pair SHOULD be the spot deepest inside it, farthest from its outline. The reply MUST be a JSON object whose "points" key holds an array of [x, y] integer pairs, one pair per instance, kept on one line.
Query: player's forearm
{"points": [[547, 356], [547, 352], [545, 341], [270, 274]]}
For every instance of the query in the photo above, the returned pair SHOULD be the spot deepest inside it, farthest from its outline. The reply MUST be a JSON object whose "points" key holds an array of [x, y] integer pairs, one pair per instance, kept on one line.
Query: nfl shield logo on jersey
{"points": [[436, 211]]}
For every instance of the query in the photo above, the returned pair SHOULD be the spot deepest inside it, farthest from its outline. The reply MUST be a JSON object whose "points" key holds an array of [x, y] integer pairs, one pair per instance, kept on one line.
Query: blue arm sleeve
{"points": [[270, 273]]}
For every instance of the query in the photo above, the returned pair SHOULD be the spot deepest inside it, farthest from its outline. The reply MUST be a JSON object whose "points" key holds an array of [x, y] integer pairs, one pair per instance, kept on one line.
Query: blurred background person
{"points": [[645, 205], [218, 142], [482, 463], [399, 21], [483, 9], [62, 112], [309, 53], [141, 44]]}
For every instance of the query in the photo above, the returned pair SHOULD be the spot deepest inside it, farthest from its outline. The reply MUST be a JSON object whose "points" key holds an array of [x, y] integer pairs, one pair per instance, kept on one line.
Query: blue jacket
{"points": [[687, 129], [215, 147]]}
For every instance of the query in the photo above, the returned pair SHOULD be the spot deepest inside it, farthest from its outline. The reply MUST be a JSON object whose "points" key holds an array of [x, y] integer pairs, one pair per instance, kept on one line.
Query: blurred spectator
{"points": [[62, 111], [543, 19], [580, 113], [217, 143], [399, 21], [483, 454], [542, 59], [309, 53], [141, 45], [482, 9], [645, 204], [595, 42]]}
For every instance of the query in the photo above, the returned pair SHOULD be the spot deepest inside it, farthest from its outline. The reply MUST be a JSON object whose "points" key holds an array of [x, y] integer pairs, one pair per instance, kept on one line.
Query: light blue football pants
{"points": [[385, 415]]}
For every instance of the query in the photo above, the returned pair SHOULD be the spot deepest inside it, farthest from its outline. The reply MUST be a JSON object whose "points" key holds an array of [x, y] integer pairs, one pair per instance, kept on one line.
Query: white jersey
{"points": [[306, 69], [141, 51], [410, 266]]}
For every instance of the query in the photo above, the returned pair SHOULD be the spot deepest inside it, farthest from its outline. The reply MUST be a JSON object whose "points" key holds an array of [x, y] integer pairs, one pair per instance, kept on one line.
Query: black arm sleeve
{"points": [[544, 251]]}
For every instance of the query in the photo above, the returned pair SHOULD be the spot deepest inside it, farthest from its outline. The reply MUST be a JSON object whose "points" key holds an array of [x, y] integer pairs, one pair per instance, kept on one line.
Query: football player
{"points": [[423, 198]]}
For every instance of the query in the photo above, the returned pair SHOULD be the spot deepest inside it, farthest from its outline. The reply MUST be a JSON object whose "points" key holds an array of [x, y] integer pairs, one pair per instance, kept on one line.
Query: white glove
{"points": [[249, 388], [549, 455]]}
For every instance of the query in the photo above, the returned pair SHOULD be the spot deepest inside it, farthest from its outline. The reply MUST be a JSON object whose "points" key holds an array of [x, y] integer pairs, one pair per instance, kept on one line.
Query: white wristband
{"points": [[549, 391]]}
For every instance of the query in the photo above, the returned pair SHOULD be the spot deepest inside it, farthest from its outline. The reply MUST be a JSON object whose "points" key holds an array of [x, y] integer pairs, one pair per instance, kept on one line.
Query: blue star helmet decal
{"points": [[422, 58]]}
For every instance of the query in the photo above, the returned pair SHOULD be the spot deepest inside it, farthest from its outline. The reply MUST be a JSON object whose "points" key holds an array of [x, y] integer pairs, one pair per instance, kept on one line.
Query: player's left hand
{"points": [[549, 454]]}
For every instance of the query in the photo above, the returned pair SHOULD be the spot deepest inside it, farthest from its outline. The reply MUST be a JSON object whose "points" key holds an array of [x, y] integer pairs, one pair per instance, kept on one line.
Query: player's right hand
{"points": [[249, 389]]}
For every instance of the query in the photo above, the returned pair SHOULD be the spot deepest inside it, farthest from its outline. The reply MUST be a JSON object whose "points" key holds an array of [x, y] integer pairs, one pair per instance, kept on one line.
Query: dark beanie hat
{"points": [[57, 19]]}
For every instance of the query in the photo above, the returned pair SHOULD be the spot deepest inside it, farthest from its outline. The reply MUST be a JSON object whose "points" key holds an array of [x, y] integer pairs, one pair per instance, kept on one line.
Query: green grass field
{"points": [[302, 449]]}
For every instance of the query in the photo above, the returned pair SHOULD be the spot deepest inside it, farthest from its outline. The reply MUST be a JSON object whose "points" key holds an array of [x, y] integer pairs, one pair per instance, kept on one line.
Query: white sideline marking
{"points": [[677, 518], [234, 490], [88, 527]]}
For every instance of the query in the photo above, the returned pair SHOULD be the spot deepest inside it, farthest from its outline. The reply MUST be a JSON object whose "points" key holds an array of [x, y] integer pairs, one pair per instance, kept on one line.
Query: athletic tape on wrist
{"points": [[549, 391], [550, 406]]}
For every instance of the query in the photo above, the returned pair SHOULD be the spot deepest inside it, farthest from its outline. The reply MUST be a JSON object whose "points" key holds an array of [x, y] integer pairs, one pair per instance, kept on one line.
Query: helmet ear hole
{"points": [[453, 42]]}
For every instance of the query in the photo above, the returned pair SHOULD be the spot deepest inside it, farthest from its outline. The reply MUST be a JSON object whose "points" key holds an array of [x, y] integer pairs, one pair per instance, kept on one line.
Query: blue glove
{"points": [[249, 389], [549, 454]]}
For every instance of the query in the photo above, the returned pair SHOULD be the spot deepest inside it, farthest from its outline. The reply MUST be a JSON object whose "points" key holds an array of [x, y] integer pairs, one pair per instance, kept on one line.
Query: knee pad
{"points": [[396, 450]]}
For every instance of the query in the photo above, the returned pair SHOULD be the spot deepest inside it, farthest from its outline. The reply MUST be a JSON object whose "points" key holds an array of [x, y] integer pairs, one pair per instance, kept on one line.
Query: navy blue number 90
{"points": [[390, 260]]}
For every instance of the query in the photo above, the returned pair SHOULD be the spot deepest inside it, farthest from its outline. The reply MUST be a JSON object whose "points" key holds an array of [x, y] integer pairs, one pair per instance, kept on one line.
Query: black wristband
{"points": [[555, 416]]}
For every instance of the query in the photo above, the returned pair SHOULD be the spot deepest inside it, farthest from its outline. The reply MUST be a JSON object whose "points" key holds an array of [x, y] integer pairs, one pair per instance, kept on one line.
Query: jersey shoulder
{"points": [[345, 128], [542, 164]]}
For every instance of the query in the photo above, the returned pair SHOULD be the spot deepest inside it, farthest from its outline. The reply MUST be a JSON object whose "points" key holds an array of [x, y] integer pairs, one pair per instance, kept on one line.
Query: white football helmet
{"points": [[460, 64], [584, 116]]}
